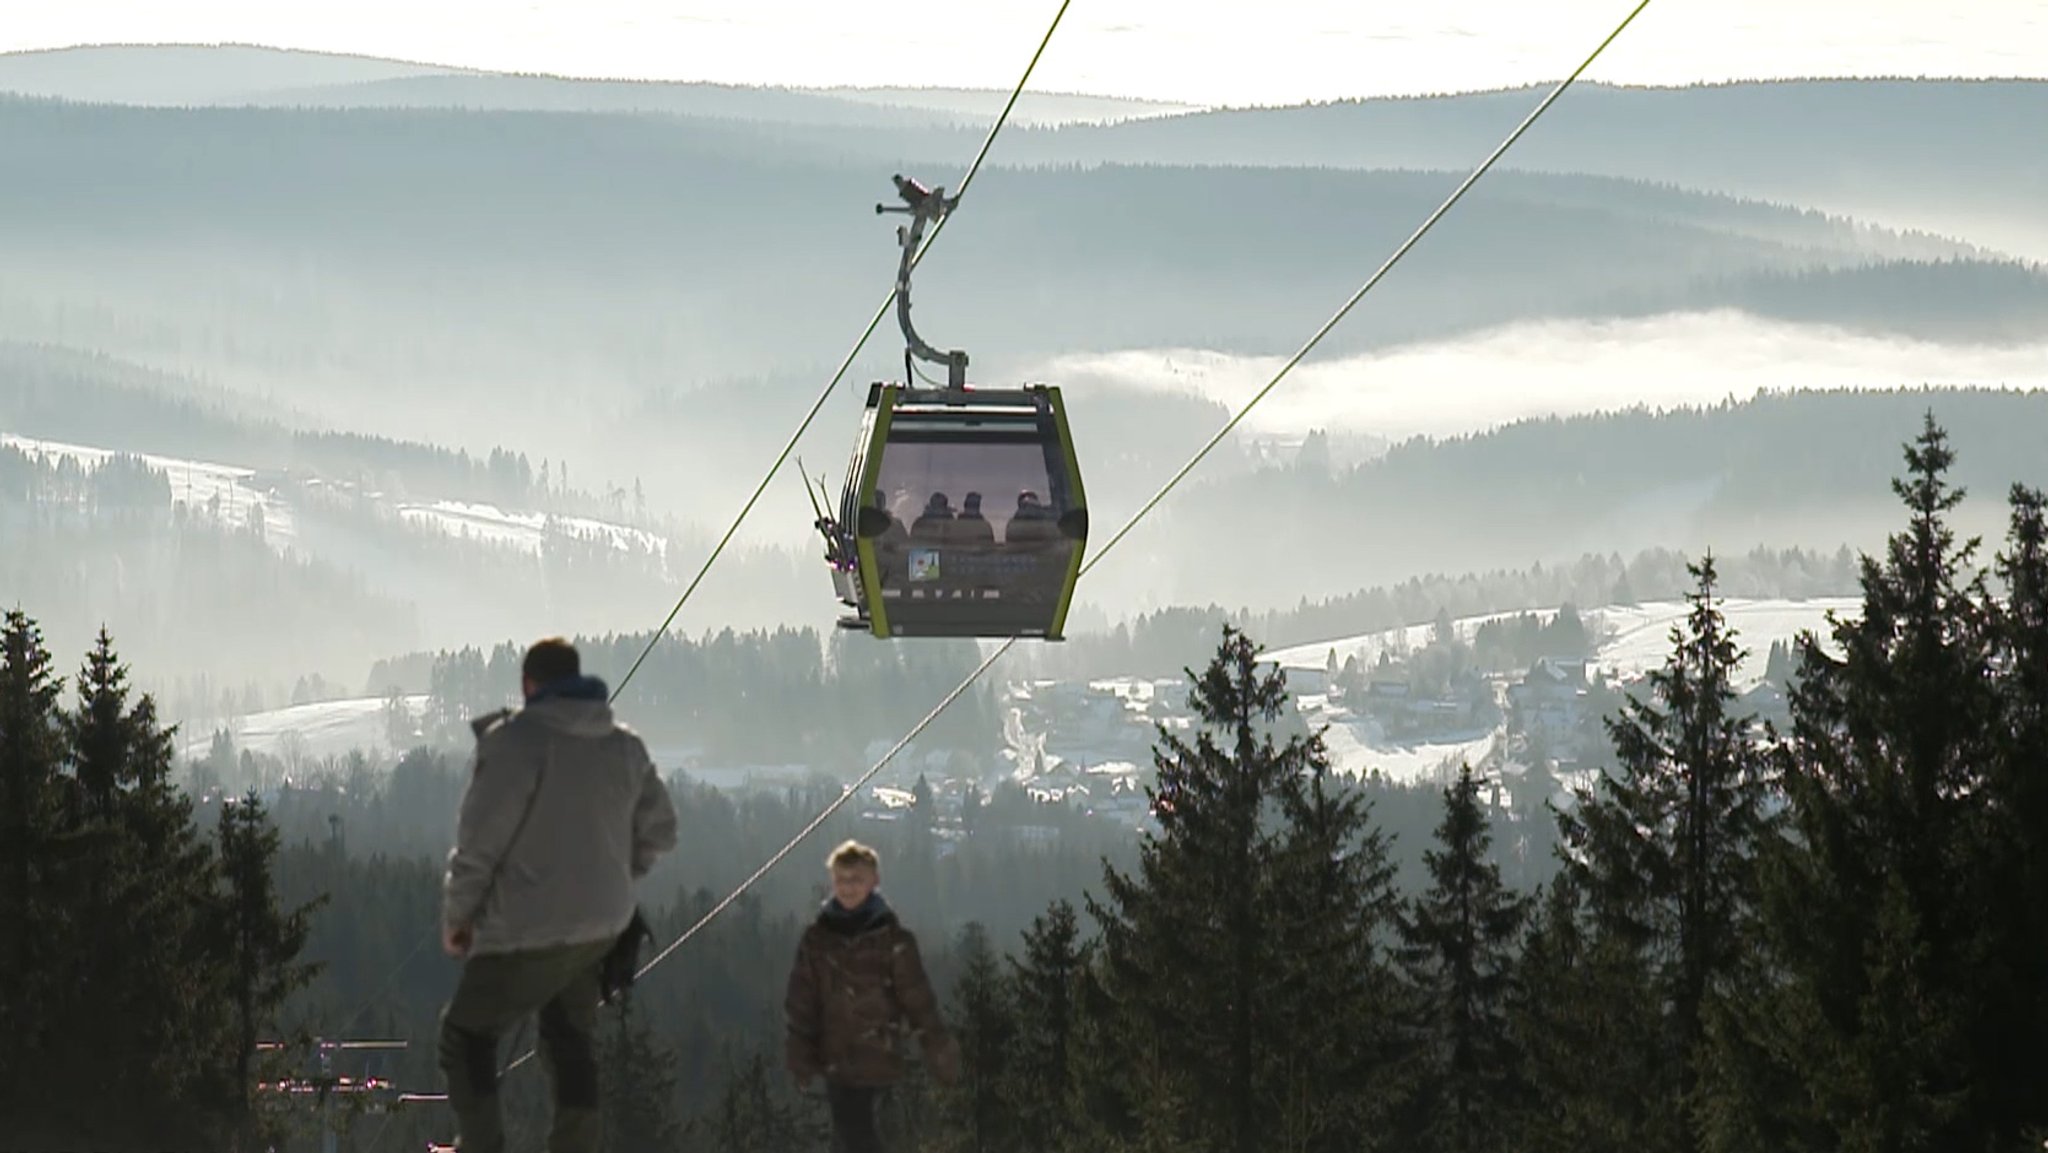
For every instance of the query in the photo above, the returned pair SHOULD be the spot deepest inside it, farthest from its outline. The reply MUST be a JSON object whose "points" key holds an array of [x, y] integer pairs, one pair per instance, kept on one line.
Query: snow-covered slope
{"points": [[193, 483], [319, 729], [239, 490], [1638, 639], [1633, 641]]}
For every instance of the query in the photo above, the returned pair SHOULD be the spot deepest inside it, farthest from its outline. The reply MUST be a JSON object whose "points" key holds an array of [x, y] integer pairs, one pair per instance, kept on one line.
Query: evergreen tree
{"points": [[1459, 942], [1666, 846], [32, 950], [257, 945], [1879, 907], [1334, 906], [751, 1118], [1582, 1017], [142, 885], [1195, 944], [639, 1088], [1049, 986], [2018, 839], [1623, 593], [1778, 668], [977, 1114], [2022, 789]]}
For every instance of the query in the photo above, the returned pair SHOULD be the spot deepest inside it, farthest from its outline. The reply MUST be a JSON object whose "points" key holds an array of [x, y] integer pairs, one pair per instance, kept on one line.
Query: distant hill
{"points": [[1802, 468], [388, 243], [1962, 157], [196, 74], [1032, 107], [1888, 149], [242, 75], [659, 297]]}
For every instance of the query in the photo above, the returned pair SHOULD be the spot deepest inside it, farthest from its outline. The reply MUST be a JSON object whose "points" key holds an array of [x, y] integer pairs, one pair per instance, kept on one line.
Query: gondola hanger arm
{"points": [[924, 206]]}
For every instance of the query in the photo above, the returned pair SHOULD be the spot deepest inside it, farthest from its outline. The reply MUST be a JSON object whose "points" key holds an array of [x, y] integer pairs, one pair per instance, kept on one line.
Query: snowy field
{"points": [[1641, 639], [1358, 747], [311, 731], [1367, 647], [193, 483], [1634, 641], [524, 530], [196, 483]]}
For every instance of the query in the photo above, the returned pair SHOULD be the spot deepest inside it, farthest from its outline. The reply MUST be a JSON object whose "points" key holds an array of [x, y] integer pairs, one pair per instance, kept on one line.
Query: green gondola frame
{"points": [[950, 587]]}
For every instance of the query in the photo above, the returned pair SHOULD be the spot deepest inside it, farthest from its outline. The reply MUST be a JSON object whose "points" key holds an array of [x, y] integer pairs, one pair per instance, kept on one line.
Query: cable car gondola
{"points": [[963, 513]]}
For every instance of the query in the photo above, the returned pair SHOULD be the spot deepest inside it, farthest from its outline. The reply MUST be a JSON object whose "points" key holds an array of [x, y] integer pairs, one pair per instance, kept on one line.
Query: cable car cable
{"points": [[851, 790], [973, 169], [826, 393]]}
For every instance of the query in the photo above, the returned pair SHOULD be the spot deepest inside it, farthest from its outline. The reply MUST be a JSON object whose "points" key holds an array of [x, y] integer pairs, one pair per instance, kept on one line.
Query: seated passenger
{"points": [[971, 527], [890, 543], [1032, 523], [936, 524]]}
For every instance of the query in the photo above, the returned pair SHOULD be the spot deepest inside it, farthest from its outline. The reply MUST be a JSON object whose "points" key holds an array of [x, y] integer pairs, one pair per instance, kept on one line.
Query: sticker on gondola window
{"points": [[924, 564]]}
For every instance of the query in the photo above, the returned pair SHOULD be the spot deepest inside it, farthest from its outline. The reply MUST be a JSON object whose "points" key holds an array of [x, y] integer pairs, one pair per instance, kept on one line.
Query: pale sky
{"points": [[1198, 51]]}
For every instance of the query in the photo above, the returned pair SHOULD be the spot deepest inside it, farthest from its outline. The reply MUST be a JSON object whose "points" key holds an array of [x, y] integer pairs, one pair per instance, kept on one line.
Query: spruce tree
{"points": [[750, 1117], [1049, 985], [257, 945], [976, 1115], [1666, 845], [1582, 1017], [142, 884], [1878, 906], [639, 1088], [31, 753], [2018, 839], [1459, 942], [1335, 911], [1196, 944]]}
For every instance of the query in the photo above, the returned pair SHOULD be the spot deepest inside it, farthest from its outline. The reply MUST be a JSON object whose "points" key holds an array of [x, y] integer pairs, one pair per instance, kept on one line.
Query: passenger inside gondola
{"points": [[1032, 523], [890, 543], [936, 523], [970, 527]]}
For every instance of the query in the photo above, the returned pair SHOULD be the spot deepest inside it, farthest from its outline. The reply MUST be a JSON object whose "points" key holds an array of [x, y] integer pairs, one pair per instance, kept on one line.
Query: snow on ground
{"points": [[320, 729], [525, 530], [1368, 646], [1635, 639], [619, 536], [484, 522], [1357, 746], [194, 483], [1641, 638]]}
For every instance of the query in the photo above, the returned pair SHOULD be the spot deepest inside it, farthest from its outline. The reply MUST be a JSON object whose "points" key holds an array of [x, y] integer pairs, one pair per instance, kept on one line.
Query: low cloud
{"points": [[1558, 368]]}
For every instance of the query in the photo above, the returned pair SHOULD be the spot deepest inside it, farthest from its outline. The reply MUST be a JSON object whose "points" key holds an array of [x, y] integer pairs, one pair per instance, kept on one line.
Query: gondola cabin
{"points": [[963, 515]]}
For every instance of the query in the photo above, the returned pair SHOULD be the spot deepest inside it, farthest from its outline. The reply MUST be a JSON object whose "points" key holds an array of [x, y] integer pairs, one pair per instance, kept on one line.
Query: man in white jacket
{"points": [[564, 812]]}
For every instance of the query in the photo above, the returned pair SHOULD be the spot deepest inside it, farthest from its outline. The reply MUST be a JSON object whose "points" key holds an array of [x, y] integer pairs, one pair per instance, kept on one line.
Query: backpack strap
{"points": [[480, 726]]}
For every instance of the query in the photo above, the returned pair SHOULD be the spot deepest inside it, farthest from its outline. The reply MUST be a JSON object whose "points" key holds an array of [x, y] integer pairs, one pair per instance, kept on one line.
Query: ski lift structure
{"points": [[963, 512]]}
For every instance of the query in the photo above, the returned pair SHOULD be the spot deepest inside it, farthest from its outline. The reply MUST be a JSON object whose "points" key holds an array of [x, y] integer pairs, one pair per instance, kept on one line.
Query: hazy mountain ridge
{"points": [[1802, 468], [236, 75], [188, 73], [342, 261], [1946, 300], [658, 296], [436, 542]]}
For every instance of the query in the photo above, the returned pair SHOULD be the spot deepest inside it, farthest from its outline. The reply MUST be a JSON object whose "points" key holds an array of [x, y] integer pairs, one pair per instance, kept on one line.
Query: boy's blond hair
{"points": [[852, 855]]}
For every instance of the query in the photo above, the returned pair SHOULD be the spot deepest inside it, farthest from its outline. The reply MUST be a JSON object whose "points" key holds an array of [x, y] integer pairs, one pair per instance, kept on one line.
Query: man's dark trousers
{"points": [[498, 990]]}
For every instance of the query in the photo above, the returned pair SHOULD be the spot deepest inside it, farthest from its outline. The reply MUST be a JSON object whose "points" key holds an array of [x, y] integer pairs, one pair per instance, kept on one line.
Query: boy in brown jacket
{"points": [[858, 977]]}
